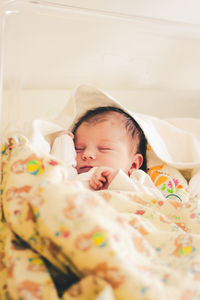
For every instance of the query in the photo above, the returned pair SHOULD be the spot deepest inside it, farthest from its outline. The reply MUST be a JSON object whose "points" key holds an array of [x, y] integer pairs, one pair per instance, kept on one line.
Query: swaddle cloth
{"points": [[63, 149]]}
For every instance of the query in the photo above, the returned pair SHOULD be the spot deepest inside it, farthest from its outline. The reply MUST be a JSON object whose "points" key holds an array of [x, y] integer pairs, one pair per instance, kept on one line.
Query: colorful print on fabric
{"points": [[183, 244], [36, 264], [110, 274], [32, 165], [3, 149], [169, 186], [35, 167], [96, 238], [20, 193], [63, 231]]}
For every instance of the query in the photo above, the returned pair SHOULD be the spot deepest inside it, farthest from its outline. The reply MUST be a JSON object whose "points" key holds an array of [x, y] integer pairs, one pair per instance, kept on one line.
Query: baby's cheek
{"points": [[109, 161], [78, 158]]}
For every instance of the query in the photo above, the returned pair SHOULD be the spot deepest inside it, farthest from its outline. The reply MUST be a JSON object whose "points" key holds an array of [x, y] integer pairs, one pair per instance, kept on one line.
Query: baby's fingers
{"points": [[99, 177], [95, 183], [105, 173]]}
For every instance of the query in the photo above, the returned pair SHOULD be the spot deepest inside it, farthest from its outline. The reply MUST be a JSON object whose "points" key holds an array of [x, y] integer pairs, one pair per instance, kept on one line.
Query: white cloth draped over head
{"points": [[176, 142]]}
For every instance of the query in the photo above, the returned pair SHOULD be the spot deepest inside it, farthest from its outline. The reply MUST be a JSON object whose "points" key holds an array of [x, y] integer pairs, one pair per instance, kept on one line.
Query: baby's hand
{"points": [[102, 177]]}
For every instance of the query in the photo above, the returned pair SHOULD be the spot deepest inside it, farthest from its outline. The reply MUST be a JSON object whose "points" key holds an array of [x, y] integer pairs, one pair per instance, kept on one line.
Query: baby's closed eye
{"points": [[79, 149], [105, 149]]}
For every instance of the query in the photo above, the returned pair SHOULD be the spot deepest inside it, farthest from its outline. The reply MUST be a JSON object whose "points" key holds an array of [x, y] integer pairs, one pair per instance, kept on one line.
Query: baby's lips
{"points": [[85, 169]]}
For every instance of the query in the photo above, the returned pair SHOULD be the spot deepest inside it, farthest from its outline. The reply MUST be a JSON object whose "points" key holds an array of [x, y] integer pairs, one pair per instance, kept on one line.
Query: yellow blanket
{"points": [[59, 240]]}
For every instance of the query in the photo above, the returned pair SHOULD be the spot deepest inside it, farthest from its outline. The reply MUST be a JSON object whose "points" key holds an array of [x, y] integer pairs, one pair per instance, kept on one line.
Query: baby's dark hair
{"points": [[131, 126]]}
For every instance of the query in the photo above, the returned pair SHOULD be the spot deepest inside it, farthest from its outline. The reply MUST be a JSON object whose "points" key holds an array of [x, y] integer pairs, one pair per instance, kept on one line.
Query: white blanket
{"points": [[173, 141]]}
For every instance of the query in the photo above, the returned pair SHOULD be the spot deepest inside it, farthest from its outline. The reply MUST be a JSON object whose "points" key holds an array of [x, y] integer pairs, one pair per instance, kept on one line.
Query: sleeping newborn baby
{"points": [[110, 152]]}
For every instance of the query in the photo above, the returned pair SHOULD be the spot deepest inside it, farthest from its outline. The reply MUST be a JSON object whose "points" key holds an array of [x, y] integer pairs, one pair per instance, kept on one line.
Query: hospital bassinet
{"points": [[57, 239]]}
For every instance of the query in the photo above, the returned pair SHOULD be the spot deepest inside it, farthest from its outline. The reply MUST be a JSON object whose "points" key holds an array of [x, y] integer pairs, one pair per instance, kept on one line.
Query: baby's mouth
{"points": [[85, 169]]}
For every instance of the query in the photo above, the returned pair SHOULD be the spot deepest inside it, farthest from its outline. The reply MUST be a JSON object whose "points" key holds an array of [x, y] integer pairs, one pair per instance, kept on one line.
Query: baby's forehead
{"points": [[106, 127], [103, 127], [112, 116], [102, 123]]}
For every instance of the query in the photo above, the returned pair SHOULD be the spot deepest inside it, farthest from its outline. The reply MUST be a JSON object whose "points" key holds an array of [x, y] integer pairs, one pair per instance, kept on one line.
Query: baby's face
{"points": [[102, 144]]}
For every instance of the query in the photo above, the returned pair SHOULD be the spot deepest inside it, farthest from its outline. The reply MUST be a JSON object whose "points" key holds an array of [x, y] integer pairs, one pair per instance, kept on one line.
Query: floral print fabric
{"points": [[166, 178], [103, 245]]}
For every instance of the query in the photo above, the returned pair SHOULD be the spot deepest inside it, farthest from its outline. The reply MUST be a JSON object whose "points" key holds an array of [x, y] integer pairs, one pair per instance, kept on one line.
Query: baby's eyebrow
{"points": [[79, 143], [106, 140]]}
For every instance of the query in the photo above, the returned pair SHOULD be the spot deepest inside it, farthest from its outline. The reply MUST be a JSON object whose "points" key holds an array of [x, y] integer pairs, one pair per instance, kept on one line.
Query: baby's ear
{"points": [[136, 163]]}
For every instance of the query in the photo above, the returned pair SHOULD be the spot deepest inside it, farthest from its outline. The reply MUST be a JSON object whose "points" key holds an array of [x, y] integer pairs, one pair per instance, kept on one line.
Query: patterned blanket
{"points": [[59, 240]]}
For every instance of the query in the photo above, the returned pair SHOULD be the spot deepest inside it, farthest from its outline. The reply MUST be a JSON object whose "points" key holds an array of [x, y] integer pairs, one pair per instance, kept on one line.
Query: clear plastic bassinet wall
{"points": [[49, 48]]}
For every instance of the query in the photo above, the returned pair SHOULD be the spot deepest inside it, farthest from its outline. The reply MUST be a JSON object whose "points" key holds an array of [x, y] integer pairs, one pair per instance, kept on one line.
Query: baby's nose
{"points": [[89, 154]]}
